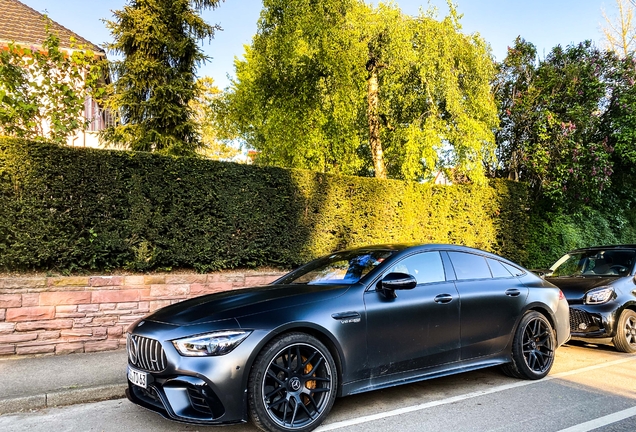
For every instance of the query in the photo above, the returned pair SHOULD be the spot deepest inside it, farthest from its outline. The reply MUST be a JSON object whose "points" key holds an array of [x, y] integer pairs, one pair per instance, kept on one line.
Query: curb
{"points": [[61, 398]]}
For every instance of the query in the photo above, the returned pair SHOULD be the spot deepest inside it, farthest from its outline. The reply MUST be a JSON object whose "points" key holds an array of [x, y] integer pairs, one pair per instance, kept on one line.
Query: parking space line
{"points": [[602, 421], [459, 398]]}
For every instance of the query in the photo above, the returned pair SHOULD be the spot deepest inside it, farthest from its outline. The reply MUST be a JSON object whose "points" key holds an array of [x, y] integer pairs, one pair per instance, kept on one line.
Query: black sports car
{"points": [[347, 323], [600, 286]]}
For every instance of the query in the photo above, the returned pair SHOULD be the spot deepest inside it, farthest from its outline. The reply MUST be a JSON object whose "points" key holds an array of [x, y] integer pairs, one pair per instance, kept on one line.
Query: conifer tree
{"points": [[155, 80]]}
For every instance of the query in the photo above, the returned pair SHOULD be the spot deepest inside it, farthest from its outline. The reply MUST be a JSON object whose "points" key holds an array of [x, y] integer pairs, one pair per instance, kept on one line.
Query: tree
{"points": [[155, 80], [342, 86], [554, 118], [295, 95], [517, 94], [621, 128], [620, 33], [202, 106], [42, 91]]}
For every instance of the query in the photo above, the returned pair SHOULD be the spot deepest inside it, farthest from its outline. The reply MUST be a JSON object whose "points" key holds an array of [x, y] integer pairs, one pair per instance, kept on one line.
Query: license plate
{"points": [[138, 378]]}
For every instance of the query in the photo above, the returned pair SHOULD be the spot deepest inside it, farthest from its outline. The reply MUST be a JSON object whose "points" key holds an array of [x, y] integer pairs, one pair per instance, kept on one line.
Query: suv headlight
{"points": [[211, 344], [599, 295]]}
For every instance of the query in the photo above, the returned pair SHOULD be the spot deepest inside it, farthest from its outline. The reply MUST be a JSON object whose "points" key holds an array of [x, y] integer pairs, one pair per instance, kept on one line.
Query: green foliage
{"points": [[71, 209], [553, 234], [295, 100], [212, 147], [42, 91], [155, 80], [622, 111], [554, 116], [302, 93]]}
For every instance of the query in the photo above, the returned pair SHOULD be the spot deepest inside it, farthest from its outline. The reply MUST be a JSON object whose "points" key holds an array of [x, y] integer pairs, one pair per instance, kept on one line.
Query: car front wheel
{"points": [[532, 348], [292, 385], [625, 339]]}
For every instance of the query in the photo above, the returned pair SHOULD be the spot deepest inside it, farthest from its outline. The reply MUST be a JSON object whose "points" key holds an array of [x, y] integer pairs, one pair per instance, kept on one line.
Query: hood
{"points": [[235, 304], [575, 287]]}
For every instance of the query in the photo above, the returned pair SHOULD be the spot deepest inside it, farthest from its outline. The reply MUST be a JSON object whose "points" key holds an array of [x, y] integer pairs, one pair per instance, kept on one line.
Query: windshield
{"points": [[340, 268], [615, 262]]}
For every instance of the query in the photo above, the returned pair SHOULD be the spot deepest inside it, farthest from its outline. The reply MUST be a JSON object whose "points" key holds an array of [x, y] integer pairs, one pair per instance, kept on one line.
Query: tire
{"points": [[625, 339], [532, 348], [292, 385]]}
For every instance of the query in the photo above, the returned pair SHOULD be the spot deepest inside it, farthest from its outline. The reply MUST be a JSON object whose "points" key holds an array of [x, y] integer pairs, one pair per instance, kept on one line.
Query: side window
{"points": [[426, 267], [497, 268], [514, 270], [469, 266]]}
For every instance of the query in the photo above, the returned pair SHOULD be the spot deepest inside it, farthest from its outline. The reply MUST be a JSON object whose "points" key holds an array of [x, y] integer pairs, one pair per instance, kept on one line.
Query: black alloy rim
{"points": [[538, 349], [297, 386], [630, 330]]}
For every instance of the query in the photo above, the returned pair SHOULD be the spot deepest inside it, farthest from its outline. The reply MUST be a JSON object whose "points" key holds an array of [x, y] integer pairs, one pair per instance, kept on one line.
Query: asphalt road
{"points": [[589, 388]]}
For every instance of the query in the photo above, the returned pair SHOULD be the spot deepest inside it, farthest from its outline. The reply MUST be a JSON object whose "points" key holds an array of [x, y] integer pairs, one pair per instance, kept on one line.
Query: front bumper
{"points": [[204, 390], [182, 398], [593, 321]]}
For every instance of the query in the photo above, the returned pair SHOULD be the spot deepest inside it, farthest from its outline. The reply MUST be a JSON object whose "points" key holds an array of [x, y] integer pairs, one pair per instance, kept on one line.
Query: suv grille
{"points": [[145, 353], [578, 317]]}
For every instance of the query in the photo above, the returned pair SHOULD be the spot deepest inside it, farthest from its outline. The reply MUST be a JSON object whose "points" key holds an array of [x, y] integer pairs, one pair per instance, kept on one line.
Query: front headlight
{"points": [[599, 295], [211, 344]]}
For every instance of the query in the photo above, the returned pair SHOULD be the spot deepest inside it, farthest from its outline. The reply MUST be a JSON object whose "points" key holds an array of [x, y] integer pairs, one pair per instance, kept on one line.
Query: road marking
{"points": [[602, 421], [405, 410]]}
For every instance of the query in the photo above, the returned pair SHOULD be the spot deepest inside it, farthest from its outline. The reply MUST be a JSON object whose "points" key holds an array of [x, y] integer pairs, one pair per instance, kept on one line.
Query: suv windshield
{"points": [[613, 262], [341, 268]]}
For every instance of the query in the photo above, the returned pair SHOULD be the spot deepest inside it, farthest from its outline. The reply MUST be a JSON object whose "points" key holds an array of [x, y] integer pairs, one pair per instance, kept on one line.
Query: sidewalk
{"points": [[40, 382]]}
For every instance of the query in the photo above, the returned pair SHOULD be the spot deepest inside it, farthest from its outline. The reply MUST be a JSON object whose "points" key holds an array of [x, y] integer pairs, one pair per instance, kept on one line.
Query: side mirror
{"points": [[396, 281]]}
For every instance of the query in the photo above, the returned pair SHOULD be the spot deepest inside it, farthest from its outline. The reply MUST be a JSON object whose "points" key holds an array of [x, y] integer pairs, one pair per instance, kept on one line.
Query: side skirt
{"points": [[376, 383]]}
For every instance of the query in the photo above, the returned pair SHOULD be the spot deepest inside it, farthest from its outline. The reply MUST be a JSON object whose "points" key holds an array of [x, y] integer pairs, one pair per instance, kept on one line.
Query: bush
{"points": [[69, 209], [553, 234]]}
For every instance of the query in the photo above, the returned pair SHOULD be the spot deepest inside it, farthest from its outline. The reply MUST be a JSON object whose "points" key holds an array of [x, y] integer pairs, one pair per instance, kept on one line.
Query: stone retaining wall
{"points": [[62, 315]]}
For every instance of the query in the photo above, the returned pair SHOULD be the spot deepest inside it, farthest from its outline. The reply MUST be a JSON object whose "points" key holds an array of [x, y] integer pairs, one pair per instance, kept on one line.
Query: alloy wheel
{"points": [[297, 386], [538, 345]]}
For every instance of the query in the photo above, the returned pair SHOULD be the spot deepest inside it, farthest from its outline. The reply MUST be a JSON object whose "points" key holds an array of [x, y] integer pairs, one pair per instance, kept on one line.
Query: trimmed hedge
{"points": [[68, 209]]}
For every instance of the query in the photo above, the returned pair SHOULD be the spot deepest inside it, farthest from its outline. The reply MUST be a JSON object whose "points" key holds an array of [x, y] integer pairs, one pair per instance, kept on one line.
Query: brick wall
{"points": [[62, 315]]}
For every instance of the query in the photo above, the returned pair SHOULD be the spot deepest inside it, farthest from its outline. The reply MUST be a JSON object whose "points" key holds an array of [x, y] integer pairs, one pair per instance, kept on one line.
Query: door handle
{"points": [[443, 298], [513, 292]]}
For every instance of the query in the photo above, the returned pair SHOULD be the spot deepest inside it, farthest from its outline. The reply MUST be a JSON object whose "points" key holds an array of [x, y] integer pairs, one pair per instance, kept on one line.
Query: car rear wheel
{"points": [[292, 385], [532, 348], [625, 339]]}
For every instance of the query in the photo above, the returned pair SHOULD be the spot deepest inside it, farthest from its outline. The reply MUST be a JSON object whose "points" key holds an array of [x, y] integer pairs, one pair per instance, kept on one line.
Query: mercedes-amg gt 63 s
{"points": [[600, 285], [350, 322]]}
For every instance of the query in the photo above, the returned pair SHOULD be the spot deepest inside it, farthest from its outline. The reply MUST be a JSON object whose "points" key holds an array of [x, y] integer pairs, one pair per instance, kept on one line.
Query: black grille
{"points": [[199, 402], [149, 395], [578, 317], [146, 354]]}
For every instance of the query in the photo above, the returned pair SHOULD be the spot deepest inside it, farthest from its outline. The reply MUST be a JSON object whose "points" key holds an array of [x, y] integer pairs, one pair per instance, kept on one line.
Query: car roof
{"points": [[592, 248], [428, 246]]}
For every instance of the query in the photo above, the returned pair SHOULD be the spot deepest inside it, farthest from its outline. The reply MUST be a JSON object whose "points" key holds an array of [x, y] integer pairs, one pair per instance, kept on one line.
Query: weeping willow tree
{"points": [[346, 87]]}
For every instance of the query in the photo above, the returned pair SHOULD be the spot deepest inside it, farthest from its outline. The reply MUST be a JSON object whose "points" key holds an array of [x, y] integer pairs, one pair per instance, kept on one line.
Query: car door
{"points": [[491, 302], [419, 327]]}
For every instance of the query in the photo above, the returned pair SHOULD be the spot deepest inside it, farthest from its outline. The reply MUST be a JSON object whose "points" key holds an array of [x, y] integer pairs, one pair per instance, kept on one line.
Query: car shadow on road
{"points": [[600, 346]]}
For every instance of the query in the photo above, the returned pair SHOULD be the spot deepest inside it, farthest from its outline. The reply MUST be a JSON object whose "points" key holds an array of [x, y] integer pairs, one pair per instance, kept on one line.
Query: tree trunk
{"points": [[373, 102]]}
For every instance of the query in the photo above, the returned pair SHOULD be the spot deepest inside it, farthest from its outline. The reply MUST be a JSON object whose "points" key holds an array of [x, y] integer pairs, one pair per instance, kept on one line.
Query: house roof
{"points": [[25, 26]]}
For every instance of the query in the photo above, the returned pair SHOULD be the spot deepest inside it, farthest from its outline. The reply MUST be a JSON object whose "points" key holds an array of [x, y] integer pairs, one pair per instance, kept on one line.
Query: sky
{"points": [[545, 23]]}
